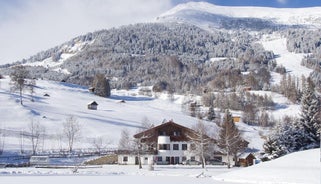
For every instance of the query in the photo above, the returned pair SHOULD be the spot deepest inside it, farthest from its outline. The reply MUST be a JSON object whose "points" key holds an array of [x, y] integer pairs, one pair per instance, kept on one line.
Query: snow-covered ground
{"points": [[300, 167], [111, 117], [296, 168], [66, 99]]}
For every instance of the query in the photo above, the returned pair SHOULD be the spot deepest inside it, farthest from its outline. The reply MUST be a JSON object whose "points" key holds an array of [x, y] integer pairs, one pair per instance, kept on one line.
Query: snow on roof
{"points": [[93, 103]]}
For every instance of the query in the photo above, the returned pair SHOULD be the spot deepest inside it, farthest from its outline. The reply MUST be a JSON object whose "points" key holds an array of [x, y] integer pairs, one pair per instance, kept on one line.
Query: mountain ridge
{"points": [[307, 17]]}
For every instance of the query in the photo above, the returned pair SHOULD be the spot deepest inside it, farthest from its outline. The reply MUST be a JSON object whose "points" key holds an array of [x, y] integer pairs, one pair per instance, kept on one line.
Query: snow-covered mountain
{"points": [[210, 16]]}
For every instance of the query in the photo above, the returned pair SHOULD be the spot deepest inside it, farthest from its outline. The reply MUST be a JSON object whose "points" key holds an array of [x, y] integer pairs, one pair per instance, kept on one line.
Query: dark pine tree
{"points": [[308, 125], [230, 139]]}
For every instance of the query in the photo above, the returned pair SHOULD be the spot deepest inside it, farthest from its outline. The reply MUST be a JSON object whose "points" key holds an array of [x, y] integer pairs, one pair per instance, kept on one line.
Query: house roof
{"points": [[169, 123], [245, 155], [93, 103]]}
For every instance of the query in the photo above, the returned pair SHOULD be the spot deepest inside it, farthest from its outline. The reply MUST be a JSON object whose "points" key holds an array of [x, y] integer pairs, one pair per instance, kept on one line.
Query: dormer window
{"points": [[176, 133], [162, 133]]}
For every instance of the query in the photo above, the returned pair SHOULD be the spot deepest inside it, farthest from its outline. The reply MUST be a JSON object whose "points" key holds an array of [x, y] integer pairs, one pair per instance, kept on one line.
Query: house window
{"points": [[164, 147], [176, 133], [218, 159], [175, 147], [162, 133], [159, 159], [176, 161], [125, 159], [184, 146], [168, 159]]}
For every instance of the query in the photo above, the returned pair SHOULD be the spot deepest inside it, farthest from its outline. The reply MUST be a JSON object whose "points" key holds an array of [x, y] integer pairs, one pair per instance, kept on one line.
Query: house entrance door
{"points": [[136, 161], [172, 160]]}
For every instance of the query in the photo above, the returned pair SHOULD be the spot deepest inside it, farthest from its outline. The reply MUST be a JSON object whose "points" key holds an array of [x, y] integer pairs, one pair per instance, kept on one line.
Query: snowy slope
{"points": [[291, 61], [300, 167], [110, 118], [296, 168], [67, 99], [203, 14], [59, 55]]}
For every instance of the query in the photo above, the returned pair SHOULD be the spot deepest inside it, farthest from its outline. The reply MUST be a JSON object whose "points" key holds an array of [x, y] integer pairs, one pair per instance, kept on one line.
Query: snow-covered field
{"points": [[66, 99], [296, 168]]}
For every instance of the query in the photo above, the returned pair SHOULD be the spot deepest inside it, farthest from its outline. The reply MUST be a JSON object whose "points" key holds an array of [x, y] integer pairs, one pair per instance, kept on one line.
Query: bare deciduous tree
{"points": [[100, 143], [71, 129], [32, 85], [36, 131], [18, 78], [201, 141], [125, 142]]}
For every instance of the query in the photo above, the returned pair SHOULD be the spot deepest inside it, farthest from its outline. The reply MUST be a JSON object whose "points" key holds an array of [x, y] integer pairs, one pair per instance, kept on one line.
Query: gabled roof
{"points": [[93, 103], [169, 123], [245, 155]]}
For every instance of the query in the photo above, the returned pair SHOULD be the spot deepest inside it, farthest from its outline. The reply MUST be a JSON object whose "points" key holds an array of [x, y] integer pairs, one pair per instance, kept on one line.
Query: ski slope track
{"points": [[291, 61]]}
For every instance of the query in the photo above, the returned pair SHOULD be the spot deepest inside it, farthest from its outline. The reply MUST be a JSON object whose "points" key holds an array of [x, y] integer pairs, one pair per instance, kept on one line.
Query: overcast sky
{"points": [[29, 26]]}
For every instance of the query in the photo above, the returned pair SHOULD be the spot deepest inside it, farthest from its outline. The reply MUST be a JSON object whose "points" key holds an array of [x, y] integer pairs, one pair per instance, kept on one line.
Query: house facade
{"points": [[168, 143]]}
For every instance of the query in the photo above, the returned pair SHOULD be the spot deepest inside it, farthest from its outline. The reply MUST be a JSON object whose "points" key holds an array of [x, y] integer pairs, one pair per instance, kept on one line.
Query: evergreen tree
{"points": [[309, 122], [101, 86], [230, 139], [301, 134]]}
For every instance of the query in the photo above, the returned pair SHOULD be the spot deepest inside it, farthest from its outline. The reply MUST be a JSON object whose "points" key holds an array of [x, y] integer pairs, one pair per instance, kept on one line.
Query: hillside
{"points": [[176, 52], [111, 117], [66, 99], [188, 47], [299, 167]]}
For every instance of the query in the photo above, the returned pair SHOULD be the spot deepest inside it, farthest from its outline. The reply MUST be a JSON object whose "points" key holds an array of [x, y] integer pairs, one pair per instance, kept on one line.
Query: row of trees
{"points": [[253, 106], [36, 134], [298, 134]]}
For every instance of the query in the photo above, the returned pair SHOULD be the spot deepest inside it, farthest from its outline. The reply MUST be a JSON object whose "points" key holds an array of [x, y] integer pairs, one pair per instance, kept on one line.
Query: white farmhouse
{"points": [[168, 143]]}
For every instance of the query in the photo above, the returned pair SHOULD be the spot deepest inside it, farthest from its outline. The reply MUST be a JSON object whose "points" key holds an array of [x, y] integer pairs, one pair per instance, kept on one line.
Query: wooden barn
{"points": [[246, 159], [92, 105]]}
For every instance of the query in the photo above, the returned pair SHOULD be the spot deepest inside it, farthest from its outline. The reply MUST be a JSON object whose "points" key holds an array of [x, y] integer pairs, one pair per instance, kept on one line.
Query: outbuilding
{"points": [[92, 105], [246, 159]]}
